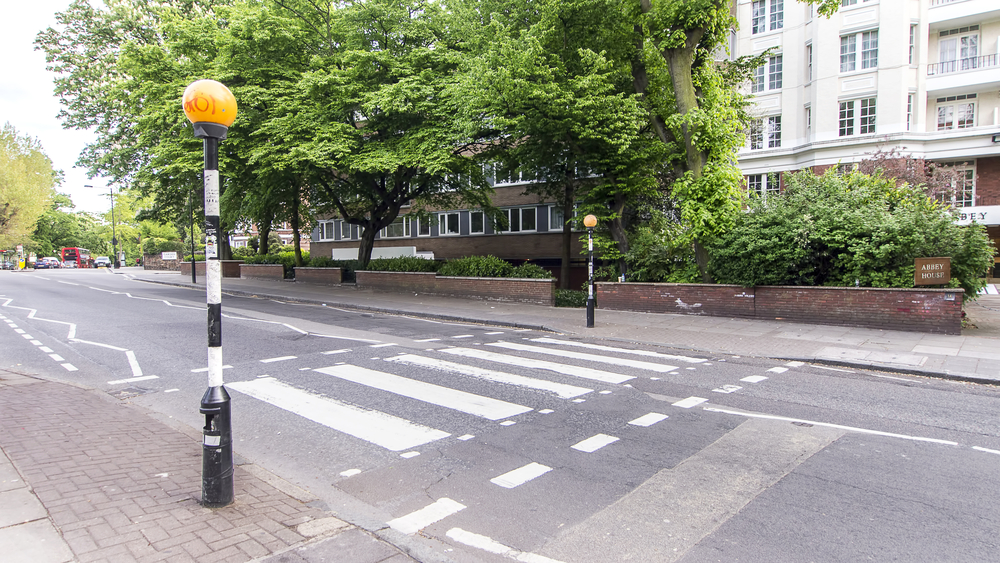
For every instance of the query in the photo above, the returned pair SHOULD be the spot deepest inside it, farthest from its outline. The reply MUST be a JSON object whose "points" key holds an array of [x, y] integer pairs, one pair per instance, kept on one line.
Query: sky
{"points": [[27, 101]]}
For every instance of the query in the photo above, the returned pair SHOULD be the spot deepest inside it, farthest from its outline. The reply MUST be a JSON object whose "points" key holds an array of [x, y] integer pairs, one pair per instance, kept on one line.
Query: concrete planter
{"points": [[919, 310], [321, 276], [262, 271], [541, 292]]}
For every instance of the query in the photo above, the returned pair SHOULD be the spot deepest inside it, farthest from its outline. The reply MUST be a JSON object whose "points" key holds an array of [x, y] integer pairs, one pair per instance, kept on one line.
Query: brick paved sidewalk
{"points": [[122, 486]]}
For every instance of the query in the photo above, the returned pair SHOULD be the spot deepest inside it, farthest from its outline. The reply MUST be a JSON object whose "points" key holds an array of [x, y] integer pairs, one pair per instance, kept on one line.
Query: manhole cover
{"points": [[129, 392]]}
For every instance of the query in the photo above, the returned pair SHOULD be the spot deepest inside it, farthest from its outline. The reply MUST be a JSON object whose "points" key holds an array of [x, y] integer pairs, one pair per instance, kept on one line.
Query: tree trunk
{"points": [[263, 231], [368, 233]]}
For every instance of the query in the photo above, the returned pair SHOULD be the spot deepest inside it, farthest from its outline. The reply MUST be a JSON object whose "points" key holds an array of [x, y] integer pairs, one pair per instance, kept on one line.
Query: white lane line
{"points": [[521, 475], [465, 437], [662, 368], [486, 543], [171, 390], [594, 443], [463, 336], [486, 407], [754, 378], [45, 349], [68, 283], [57, 357], [350, 473], [546, 411], [342, 337], [648, 419], [278, 359], [390, 432], [428, 340], [382, 345], [69, 367], [341, 351], [31, 315], [559, 389], [778, 370], [494, 332], [586, 373], [420, 519], [689, 402], [727, 389], [832, 369], [673, 357], [508, 423], [132, 379], [36, 342], [98, 344], [795, 364], [202, 370], [408, 455], [977, 448], [27, 337], [19, 330], [133, 363], [837, 426]]}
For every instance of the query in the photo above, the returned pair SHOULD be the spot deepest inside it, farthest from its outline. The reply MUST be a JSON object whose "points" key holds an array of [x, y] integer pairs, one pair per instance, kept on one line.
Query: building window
{"points": [[764, 184], [767, 15], [507, 175], [448, 223], [809, 120], [958, 49], [909, 111], [519, 219], [963, 193], [809, 63], [857, 115], [767, 76], [913, 41], [767, 131], [849, 50], [477, 222], [423, 228], [956, 112], [326, 230], [345, 230], [399, 228]]}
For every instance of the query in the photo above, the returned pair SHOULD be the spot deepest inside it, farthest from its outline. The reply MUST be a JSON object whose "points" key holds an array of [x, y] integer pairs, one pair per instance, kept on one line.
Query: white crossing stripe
{"points": [[754, 378], [278, 359], [463, 336], [727, 389], [689, 402], [648, 354], [132, 379], [521, 475], [582, 356], [497, 332], [45, 349], [420, 519], [69, 367], [341, 351], [594, 443], [57, 357], [19, 331], [486, 407], [586, 373], [390, 432], [200, 370], [28, 337], [486, 543], [778, 370], [382, 345], [795, 364], [428, 340], [133, 363], [648, 419], [560, 389]]}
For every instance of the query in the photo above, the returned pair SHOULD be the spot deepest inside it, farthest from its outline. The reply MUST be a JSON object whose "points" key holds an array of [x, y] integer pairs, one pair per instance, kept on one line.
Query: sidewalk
{"points": [[973, 356], [119, 485]]}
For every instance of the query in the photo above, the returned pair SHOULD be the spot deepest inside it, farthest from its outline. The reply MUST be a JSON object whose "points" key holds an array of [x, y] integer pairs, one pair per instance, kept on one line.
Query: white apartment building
{"points": [[922, 76]]}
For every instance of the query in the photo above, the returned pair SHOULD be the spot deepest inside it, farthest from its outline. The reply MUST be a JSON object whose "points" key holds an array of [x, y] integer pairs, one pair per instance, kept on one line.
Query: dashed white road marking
{"points": [[428, 340], [19, 330], [133, 363], [586, 373], [594, 443], [488, 544], [463, 336], [408, 455], [382, 345], [478, 405], [977, 448], [27, 337], [754, 378], [36, 342], [57, 357], [648, 419], [45, 349], [727, 389], [172, 390], [465, 437], [662, 368], [69, 367], [837, 426], [350, 473], [833, 369], [689, 402], [778, 370], [521, 475], [420, 519], [546, 411], [795, 364], [341, 351], [133, 379], [278, 359], [494, 332]]}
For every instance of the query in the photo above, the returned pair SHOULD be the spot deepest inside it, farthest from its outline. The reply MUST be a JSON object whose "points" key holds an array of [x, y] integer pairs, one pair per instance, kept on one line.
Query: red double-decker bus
{"points": [[81, 256]]}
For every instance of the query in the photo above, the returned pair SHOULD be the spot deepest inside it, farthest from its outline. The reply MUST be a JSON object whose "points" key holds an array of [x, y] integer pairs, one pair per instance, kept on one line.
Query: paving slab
{"points": [[34, 542]]}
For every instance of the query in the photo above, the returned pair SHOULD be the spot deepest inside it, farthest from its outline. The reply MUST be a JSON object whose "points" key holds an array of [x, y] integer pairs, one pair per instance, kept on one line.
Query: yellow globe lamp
{"points": [[209, 101], [590, 221]]}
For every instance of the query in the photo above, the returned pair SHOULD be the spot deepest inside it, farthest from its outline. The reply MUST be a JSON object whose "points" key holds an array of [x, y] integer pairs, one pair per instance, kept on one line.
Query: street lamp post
{"points": [[590, 222], [211, 108]]}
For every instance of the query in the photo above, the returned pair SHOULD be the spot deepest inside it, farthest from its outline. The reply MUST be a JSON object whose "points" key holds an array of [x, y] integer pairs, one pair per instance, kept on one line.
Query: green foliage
{"points": [[530, 271], [156, 245], [477, 267], [402, 264], [661, 251], [286, 259], [242, 252], [839, 230], [27, 186], [347, 267], [571, 298]]}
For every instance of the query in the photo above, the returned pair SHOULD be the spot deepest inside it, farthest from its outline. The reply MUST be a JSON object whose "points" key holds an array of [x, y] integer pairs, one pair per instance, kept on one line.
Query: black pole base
{"points": [[590, 312], [217, 488]]}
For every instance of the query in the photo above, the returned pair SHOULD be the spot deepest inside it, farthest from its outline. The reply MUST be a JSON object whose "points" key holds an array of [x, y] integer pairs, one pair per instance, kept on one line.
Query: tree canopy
{"points": [[27, 185]]}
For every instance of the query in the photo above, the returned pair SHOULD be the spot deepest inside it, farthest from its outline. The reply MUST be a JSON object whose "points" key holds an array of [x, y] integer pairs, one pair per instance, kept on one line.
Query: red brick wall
{"points": [[988, 181], [541, 292], [262, 271], [920, 310], [324, 276], [230, 268]]}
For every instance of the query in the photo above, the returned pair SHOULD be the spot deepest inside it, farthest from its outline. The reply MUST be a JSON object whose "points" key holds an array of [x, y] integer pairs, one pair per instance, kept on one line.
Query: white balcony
{"points": [[962, 74], [954, 13]]}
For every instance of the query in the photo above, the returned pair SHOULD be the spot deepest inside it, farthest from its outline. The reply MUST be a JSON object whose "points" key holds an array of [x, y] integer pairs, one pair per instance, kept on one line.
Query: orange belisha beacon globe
{"points": [[209, 101]]}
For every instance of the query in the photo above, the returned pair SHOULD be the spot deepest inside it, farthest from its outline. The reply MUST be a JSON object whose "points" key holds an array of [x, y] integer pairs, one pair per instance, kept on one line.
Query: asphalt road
{"points": [[477, 443]]}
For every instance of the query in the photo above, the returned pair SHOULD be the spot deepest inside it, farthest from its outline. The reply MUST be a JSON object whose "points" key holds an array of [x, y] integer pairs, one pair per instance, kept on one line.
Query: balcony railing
{"points": [[962, 65], [939, 2]]}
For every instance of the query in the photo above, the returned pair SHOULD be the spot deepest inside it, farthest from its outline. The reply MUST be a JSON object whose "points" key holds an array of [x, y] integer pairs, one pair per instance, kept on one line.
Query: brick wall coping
{"points": [[795, 287]]}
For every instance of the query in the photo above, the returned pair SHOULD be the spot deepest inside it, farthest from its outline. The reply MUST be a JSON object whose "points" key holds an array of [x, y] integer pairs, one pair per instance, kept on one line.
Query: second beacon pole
{"points": [[211, 107]]}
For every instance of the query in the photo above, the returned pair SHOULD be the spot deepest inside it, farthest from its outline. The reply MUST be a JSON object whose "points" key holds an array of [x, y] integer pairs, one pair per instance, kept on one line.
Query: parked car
{"points": [[48, 263], [69, 264], [102, 262]]}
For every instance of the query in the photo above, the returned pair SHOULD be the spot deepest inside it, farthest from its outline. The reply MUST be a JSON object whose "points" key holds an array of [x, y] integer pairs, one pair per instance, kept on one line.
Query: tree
{"points": [[842, 230], [56, 228], [27, 185]]}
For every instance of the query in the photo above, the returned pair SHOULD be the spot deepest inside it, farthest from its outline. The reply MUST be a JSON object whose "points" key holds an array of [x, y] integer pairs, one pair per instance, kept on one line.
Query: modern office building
{"points": [[920, 76]]}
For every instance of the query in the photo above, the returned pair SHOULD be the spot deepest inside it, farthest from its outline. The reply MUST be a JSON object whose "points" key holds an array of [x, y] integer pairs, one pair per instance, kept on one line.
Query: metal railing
{"points": [[962, 65], [939, 2]]}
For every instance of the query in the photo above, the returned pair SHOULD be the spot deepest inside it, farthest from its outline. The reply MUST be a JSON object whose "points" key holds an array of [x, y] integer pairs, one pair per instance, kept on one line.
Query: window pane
{"points": [[515, 220], [945, 119], [777, 14], [477, 221], [758, 80], [966, 115], [755, 182], [759, 16], [774, 74], [528, 219], [774, 132], [846, 118], [423, 227], [453, 223], [867, 122], [848, 48], [556, 219], [869, 49], [756, 134]]}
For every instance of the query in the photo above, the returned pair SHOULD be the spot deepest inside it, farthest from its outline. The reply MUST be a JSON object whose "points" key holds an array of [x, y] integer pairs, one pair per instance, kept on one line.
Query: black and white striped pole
{"points": [[590, 222], [211, 107]]}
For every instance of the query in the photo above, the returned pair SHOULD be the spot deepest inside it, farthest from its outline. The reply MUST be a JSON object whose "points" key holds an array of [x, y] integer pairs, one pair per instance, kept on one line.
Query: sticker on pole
{"points": [[210, 247]]}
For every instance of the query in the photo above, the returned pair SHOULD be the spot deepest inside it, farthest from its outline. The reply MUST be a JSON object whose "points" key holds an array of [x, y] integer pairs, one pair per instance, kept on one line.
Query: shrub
{"points": [[286, 259], [241, 252], [477, 267], [347, 267], [571, 298], [402, 264], [528, 270]]}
